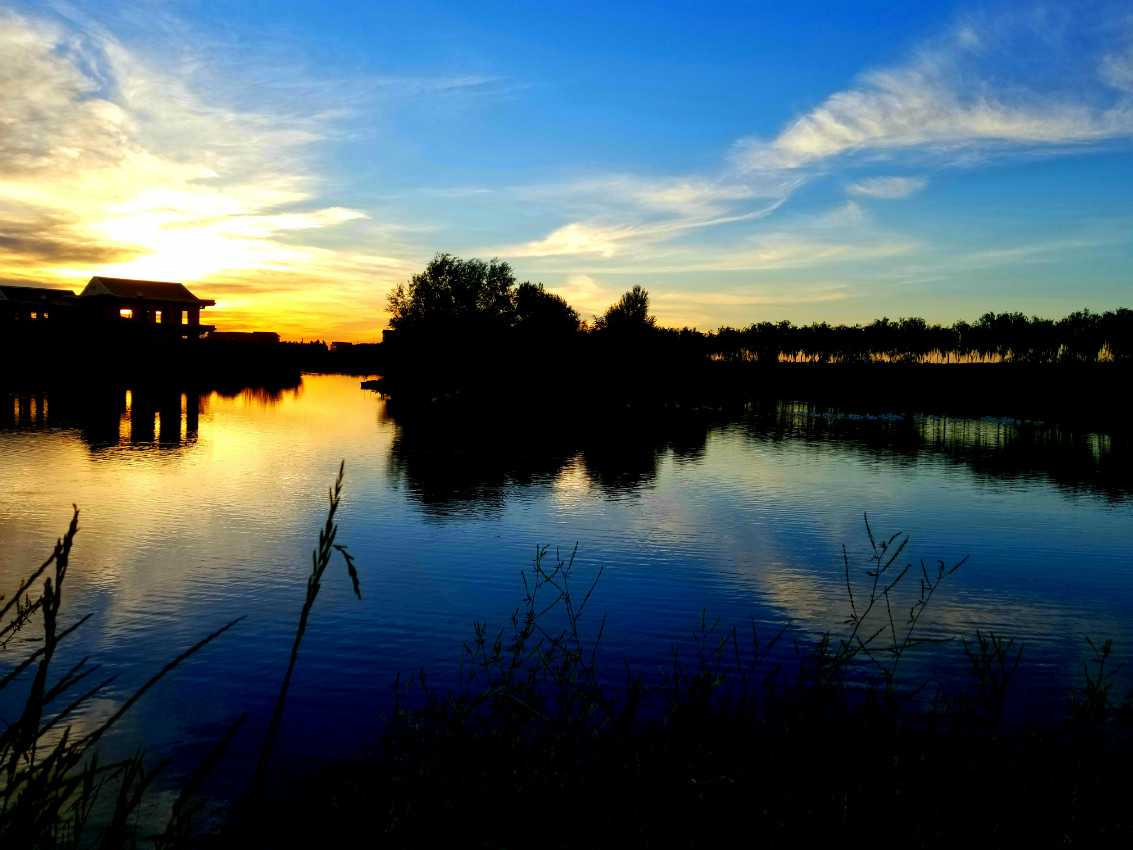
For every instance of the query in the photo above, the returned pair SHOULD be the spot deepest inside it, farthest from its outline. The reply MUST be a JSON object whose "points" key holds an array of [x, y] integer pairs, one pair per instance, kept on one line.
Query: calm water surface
{"points": [[199, 509]]}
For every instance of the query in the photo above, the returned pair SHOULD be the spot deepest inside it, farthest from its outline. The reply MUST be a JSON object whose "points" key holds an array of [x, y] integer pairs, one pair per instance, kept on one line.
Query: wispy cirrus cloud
{"points": [[841, 235], [956, 100], [575, 239], [910, 109], [784, 267], [626, 215], [430, 86], [606, 240], [950, 97], [1038, 252], [1116, 69], [887, 188], [659, 198]]}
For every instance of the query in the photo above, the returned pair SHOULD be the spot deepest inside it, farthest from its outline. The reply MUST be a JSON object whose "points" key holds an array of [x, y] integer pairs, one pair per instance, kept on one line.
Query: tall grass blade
{"points": [[320, 558]]}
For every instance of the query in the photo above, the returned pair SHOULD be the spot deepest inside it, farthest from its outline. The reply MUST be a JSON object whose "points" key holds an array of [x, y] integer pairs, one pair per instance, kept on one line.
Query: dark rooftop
{"points": [[40, 294], [152, 290]]}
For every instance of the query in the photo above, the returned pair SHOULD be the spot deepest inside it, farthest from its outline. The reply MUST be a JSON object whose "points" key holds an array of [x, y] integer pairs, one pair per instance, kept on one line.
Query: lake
{"points": [[197, 508]]}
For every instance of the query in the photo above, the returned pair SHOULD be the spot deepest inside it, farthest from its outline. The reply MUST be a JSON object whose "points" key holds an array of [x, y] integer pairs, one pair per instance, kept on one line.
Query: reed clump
{"points": [[51, 778], [535, 745], [55, 791]]}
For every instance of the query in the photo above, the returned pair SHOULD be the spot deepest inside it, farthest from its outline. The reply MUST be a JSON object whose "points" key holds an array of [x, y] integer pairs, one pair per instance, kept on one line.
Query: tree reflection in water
{"points": [[456, 461], [1073, 457]]}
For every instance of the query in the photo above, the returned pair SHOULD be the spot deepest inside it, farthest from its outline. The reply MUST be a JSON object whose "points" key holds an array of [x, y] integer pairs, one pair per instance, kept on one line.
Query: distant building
{"points": [[121, 327], [32, 303], [107, 303], [169, 305]]}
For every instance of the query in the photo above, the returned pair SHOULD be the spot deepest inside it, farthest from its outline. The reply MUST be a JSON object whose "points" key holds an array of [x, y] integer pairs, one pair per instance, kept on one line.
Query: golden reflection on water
{"points": [[173, 485], [572, 485]]}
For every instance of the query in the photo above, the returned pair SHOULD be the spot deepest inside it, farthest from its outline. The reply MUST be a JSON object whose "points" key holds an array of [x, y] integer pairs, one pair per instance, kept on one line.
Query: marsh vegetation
{"points": [[827, 738]]}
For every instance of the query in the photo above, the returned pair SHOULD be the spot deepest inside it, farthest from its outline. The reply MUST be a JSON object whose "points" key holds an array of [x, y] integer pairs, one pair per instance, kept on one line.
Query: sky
{"points": [[742, 161]]}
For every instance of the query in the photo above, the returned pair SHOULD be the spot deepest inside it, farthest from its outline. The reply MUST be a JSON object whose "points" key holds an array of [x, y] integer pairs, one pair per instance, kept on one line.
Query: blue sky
{"points": [[743, 161]]}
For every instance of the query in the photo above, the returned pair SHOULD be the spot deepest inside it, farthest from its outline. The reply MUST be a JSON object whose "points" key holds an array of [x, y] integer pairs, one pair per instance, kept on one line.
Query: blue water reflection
{"points": [[199, 507]]}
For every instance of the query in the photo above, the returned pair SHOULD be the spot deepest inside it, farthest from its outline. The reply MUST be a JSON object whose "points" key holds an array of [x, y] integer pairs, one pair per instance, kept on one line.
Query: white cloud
{"points": [[697, 197], [800, 248], [573, 239], [953, 102], [888, 188], [609, 240], [939, 101], [690, 197]]}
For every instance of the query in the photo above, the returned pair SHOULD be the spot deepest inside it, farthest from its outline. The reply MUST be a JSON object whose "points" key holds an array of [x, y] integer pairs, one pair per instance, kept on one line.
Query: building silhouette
{"points": [[110, 309]]}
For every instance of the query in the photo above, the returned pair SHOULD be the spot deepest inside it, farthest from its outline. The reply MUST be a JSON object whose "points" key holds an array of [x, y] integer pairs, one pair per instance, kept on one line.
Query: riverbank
{"points": [[1088, 395], [1072, 393], [662, 371]]}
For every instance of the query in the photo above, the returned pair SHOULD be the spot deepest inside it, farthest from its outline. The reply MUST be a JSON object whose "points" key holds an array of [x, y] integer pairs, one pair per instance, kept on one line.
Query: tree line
{"points": [[456, 301], [1081, 337]]}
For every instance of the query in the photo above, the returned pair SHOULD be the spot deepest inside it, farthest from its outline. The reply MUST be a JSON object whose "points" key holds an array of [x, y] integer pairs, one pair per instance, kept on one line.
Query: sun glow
{"points": [[132, 174], [195, 252]]}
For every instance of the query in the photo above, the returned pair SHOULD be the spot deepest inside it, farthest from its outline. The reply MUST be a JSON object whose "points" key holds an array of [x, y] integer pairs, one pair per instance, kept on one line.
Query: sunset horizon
{"points": [[827, 164]]}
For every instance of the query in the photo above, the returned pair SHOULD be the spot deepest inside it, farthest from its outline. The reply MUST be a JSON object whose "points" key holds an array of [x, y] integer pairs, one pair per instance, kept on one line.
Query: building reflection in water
{"points": [[163, 418], [27, 411], [107, 417]]}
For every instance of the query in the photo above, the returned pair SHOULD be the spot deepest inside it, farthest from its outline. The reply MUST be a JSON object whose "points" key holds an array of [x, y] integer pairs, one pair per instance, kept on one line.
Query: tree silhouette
{"points": [[1082, 336], [451, 292], [630, 314], [542, 312], [1117, 328], [455, 307]]}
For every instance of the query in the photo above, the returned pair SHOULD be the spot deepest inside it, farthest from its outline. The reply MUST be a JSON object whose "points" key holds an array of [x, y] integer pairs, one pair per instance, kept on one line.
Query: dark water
{"points": [[199, 508]]}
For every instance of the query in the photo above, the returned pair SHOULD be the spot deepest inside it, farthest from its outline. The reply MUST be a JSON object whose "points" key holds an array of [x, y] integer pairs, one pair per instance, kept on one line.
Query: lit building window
{"points": [[35, 315], [157, 316], [126, 313]]}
